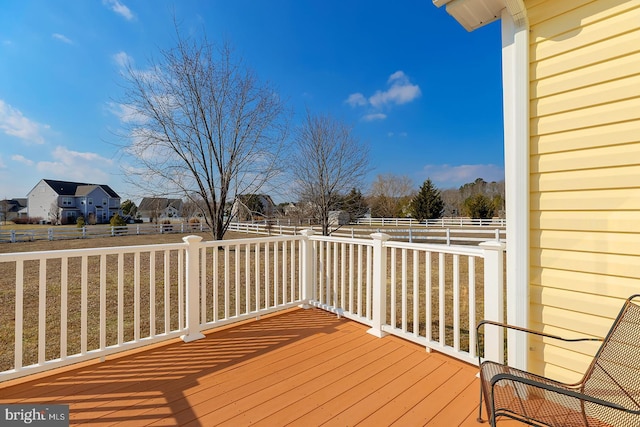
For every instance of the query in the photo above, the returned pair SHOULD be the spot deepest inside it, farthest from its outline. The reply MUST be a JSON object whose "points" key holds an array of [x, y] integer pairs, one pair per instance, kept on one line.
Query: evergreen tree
{"points": [[427, 204], [479, 206], [355, 204], [129, 208]]}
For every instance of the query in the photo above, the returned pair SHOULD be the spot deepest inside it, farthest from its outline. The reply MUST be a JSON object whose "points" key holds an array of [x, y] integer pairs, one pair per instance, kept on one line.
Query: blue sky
{"points": [[421, 91]]}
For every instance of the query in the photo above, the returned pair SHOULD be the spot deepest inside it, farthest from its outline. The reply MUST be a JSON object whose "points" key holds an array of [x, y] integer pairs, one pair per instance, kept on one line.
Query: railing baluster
{"points": [[257, 274], [343, 275], [103, 301], [416, 295], [472, 307], [351, 274], [167, 291], [335, 275], [120, 298], [237, 281], [267, 281], [84, 304], [428, 312], [456, 302], [394, 296], [226, 282], [19, 322], [136, 296], [360, 289], [42, 311], [369, 273], [64, 284], [441, 303], [285, 281], [275, 273], [181, 291], [247, 278], [404, 290], [203, 285]]}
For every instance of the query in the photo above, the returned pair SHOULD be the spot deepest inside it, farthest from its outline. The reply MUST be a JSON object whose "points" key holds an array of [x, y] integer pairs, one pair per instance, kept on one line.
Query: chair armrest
{"points": [[566, 392], [534, 332], [528, 331]]}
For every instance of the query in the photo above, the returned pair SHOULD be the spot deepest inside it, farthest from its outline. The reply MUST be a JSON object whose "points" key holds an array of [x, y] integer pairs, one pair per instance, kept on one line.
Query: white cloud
{"points": [[400, 91], [14, 123], [356, 100], [126, 113], [374, 116], [449, 176], [119, 8], [76, 166], [122, 59], [21, 159], [62, 38]]}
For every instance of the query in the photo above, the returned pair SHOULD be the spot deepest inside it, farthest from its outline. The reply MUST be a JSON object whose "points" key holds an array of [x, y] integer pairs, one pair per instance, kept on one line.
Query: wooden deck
{"points": [[303, 367]]}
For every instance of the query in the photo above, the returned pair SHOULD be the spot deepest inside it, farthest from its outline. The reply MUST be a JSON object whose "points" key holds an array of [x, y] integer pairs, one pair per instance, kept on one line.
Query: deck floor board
{"points": [[302, 367]]}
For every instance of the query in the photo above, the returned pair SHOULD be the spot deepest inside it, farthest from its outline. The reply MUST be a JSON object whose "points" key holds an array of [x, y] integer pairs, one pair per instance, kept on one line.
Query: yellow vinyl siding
{"points": [[584, 172], [588, 200], [582, 282], [606, 178], [578, 139]]}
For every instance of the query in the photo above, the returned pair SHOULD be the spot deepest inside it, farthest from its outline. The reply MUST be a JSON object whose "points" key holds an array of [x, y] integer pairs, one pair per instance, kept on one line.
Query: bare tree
{"points": [[328, 161], [201, 126], [55, 214], [390, 195]]}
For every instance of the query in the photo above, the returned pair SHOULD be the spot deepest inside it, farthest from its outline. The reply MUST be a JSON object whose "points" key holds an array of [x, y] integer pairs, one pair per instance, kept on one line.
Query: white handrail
{"points": [[113, 299]]}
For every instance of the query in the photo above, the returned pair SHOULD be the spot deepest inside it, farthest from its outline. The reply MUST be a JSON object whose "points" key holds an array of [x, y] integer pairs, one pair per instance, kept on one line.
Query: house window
{"points": [[89, 201], [104, 202], [67, 201]]}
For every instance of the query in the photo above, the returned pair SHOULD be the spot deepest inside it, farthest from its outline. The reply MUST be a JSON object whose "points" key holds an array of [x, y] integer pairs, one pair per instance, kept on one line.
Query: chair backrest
{"points": [[614, 374]]}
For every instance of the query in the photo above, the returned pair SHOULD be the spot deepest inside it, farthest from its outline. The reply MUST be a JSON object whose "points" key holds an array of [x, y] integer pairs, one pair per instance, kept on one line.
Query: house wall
{"points": [[40, 200], [584, 172]]}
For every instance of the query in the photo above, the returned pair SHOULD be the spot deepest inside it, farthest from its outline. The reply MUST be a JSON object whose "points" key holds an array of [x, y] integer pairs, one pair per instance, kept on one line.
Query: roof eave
{"points": [[473, 14]]}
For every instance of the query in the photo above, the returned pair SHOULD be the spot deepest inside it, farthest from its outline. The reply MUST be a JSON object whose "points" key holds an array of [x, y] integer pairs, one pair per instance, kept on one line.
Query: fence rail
{"points": [[62, 307], [448, 236], [87, 232]]}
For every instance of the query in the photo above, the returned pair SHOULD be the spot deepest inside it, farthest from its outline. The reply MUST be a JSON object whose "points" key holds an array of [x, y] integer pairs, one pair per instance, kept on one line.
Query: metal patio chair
{"points": [[608, 394]]}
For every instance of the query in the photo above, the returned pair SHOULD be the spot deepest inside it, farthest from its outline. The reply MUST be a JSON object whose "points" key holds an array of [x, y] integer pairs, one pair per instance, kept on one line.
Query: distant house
{"points": [[338, 218], [62, 202], [13, 209], [154, 208], [250, 206]]}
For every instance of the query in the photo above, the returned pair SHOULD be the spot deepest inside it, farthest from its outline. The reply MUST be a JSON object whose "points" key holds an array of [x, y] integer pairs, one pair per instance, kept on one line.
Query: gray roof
{"points": [[68, 188]]}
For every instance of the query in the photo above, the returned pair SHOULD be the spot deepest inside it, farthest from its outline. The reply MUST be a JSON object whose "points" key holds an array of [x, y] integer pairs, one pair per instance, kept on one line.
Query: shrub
{"points": [[80, 222]]}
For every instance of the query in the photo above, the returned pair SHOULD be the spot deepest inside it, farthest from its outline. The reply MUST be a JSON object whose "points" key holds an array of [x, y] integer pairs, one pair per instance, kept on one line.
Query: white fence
{"points": [[448, 236], [440, 222], [75, 305], [72, 232]]}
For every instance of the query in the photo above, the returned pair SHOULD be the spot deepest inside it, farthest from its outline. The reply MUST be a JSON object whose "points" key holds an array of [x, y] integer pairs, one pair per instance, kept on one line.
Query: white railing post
{"points": [[306, 275], [493, 299], [192, 281], [379, 303]]}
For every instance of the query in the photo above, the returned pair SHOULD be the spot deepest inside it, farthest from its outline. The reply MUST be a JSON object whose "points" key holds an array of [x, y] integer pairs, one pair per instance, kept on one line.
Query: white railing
{"points": [[432, 295], [101, 230], [76, 305], [422, 234], [440, 222]]}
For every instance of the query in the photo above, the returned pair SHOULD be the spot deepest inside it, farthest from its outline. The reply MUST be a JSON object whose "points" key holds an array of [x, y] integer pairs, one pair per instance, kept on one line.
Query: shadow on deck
{"points": [[302, 367]]}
